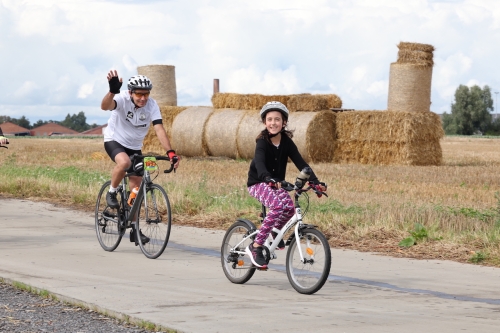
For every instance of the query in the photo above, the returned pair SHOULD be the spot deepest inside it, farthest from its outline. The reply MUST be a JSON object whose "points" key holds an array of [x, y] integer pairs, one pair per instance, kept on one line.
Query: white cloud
{"points": [[273, 81], [449, 72], [85, 90], [379, 88], [129, 63], [27, 89]]}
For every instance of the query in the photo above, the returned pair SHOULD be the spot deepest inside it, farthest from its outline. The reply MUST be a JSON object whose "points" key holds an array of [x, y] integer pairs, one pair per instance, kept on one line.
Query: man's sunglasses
{"points": [[138, 94]]}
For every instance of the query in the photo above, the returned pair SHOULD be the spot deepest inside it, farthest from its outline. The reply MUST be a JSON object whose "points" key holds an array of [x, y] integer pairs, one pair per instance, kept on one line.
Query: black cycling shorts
{"points": [[113, 148]]}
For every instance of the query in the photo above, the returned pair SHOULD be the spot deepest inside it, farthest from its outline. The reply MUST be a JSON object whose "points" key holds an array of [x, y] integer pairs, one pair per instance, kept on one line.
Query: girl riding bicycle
{"points": [[274, 145]]}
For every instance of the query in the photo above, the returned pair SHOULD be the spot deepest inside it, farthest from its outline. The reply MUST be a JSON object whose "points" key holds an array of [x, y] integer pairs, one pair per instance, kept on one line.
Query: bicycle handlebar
{"points": [[135, 157], [291, 187]]}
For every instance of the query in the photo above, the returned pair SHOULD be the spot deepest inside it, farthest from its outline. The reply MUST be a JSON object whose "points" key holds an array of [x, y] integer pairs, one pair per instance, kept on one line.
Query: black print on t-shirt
{"points": [[130, 115]]}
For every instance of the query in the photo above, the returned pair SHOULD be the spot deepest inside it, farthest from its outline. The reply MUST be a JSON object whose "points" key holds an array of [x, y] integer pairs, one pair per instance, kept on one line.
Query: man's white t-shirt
{"points": [[127, 125]]}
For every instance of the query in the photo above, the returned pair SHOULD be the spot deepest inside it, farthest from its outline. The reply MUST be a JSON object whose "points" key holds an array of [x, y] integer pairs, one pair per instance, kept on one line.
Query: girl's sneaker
{"points": [[256, 256]]}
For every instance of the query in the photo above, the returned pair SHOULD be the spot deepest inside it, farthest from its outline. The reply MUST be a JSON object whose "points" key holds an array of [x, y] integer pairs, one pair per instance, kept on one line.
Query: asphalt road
{"points": [[185, 289]]}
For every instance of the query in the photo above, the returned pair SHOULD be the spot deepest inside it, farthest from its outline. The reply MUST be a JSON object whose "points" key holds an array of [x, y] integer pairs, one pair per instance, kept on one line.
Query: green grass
{"points": [[62, 175]]}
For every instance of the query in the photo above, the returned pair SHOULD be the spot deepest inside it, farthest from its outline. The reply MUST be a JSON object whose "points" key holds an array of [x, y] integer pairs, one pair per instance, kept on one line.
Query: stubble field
{"points": [[451, 211]]}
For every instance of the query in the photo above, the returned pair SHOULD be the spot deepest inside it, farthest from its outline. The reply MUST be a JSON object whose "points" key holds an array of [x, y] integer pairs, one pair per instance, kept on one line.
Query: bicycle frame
{"points": [[295, 220], [131, 211]]}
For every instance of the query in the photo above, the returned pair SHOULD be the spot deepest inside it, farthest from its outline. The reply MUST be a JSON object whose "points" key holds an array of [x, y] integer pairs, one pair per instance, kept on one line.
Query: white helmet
{"points": [[139, 82], [274, 106]]}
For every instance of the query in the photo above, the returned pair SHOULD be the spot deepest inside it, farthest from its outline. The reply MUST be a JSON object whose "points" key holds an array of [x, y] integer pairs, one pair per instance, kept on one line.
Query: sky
{"points": [[55, 54]]}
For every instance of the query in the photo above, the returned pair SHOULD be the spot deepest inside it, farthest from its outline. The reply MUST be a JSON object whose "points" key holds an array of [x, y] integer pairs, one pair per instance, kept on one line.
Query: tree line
{"points": [[77, 122], [471, 113]]}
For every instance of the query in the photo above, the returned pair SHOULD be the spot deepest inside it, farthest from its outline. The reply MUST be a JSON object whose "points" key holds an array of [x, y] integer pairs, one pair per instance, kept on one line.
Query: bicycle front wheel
{"points": [[236, 265], [107, 221], [309, 274], [154, 221]]}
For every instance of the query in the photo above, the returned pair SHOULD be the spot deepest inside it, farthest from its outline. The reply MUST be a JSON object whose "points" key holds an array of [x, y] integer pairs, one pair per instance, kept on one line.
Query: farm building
{"points": [[9, 128], [99, 130], [52, 129]]}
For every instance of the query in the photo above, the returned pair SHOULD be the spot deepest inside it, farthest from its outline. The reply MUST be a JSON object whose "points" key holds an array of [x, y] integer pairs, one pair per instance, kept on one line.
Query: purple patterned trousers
{"points": [[280, 208]]}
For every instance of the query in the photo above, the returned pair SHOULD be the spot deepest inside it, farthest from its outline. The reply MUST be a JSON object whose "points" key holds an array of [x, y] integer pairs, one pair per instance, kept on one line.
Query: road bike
{"points": [[150, 210], [308, 258]]}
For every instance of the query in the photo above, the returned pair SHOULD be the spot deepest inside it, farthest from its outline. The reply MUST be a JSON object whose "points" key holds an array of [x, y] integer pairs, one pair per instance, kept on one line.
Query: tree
{"points": [[77, 122], [470, 114], [23, 122]]}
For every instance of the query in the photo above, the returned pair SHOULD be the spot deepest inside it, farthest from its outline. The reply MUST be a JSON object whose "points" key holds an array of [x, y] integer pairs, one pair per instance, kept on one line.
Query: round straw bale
{"points": [[314, 134], [188, 131], [409, 88], [250, 127], [221, 132], [164, 90], [168, 114]]}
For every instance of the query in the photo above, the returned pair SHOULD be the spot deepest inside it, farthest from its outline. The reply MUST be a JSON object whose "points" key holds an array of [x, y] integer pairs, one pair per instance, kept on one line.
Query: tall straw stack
{"points": [[164, 90], [188, 131], [410, 78], [388, 137], [297, 102]]}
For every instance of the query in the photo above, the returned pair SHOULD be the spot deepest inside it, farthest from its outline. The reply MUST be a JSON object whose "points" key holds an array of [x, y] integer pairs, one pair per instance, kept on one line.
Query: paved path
{"points": [[185, 289]]}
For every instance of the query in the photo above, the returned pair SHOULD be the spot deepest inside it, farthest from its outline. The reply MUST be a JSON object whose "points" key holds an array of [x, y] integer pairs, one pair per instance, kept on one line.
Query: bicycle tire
{"points": [[107, 221], [231, 261], [157, 223], [308, 277]]}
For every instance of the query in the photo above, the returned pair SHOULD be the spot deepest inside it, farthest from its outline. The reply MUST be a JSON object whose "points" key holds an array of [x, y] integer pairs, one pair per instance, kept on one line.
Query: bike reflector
{"points": [[150, 163], [309, 251]]}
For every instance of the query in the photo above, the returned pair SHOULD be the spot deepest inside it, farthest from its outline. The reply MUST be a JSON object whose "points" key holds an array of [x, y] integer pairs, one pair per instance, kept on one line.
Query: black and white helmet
{"points": [[274, 106], [139, 82]]}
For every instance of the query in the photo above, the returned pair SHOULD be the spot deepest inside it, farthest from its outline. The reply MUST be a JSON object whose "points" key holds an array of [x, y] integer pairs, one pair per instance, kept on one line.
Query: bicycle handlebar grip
{"points": [[287, 186], [174, 160]]}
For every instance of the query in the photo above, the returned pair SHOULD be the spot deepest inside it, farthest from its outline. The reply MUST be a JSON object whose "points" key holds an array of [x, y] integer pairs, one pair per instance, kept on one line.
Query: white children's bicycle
{"points": [[308, 259]]}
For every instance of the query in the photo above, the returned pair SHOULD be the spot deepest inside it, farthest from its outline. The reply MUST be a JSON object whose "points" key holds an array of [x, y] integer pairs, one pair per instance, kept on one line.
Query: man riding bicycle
{"points": [[132, 113]]}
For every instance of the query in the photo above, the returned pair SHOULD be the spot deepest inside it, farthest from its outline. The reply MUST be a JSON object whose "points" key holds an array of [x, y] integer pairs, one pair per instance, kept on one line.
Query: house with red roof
{"points": [[99, 130], [52, 129], [9, 128]]}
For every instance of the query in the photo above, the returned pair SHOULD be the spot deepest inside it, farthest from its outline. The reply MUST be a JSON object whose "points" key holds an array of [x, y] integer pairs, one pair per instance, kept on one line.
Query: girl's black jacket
{"points": [[271, 161]]}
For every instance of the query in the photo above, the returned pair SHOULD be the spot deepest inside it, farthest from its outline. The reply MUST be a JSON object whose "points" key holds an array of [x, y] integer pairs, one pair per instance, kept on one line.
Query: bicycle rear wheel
{"points": [[309, 275], [237, 266], [107, 221], [154, 221]]}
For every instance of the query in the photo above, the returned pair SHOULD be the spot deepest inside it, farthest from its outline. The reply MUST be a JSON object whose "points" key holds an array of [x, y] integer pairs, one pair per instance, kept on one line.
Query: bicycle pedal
{"points": [[262, 268]]}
